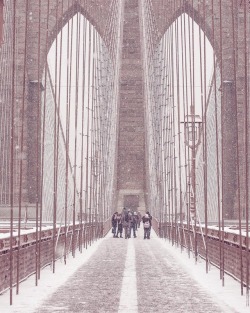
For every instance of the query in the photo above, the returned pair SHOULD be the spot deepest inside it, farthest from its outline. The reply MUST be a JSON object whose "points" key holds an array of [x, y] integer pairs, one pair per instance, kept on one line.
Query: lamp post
{"points": [[192, 136]]}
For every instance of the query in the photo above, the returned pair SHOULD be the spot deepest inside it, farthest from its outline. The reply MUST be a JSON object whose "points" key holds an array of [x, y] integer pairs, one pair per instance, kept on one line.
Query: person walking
{"points": [[130, 223], [146, 220], [125, 223], [114, 223], [136, 219], [133, 224], [139, 218], [119, 225], [150, 217]]}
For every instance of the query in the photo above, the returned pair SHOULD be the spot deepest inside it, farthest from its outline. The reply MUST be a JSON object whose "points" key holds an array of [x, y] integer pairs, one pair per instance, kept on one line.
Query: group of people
{"points": [[128, 222]]}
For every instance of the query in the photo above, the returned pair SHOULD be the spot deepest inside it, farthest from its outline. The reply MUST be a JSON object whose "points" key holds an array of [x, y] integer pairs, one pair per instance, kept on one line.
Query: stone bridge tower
{"points": [[131, 141], [131, 160]]}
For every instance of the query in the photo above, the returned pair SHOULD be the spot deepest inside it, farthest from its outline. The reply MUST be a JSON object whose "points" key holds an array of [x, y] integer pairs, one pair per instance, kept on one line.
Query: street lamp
{"points": [[192, 129], [192, 136]]}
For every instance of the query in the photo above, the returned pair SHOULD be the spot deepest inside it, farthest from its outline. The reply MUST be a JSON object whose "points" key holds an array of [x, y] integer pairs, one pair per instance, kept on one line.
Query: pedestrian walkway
{"points": [[131, 276]]}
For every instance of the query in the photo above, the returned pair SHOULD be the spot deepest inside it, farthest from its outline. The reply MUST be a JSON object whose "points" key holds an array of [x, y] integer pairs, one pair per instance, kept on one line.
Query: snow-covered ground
{"points": [[229, 294], [31, 297], [28, 230]]}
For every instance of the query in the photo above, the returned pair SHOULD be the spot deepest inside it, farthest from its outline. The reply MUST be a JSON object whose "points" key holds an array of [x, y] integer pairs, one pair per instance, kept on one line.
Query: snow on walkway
{"points": [[128, 298], [31, 297], [157, 277], [228, 295]]}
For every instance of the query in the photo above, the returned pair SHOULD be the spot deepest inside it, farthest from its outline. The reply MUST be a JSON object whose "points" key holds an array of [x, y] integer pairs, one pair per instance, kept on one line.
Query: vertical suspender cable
{"points": [[70, 86], [55, 149], [202, 53], [82, 128], [100, 158], [88, 126], [164, 91], [203, 101], [246, 51], [171, 174], [43, 132], [204, 133], [58, 110], [38, 133], [77, 51], [12, 149], [206, 141], [237, 141], [76, 48], [92, 130], [178, 73], [22, 148], [59, 215], [189, 99], [183, 67], [165, 130], [175, 74], [94, 148], [68, 115], [222, 150], [193, 153], [185, 102], [168, 159], [217, 138]]}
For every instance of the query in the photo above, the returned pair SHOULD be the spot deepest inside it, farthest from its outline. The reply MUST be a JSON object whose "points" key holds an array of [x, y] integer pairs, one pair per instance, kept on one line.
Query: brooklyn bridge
{"points": [[124, 106]]}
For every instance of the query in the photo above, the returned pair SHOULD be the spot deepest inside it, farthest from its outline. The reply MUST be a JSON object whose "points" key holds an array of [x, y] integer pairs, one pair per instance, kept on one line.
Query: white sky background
{"points": [[198, 64], [79, 95], [82, 75], [189, 68], [31, 297], [195, 68], [73, 60]]}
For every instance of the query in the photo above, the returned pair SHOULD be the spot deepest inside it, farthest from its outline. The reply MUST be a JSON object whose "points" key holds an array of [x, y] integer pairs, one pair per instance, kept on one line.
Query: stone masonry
{"points": [[1, 21], [131, 175], [131, 145]]}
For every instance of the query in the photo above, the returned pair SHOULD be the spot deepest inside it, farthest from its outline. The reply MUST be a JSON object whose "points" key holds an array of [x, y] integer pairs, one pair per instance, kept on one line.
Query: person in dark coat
{"points": [[136, 219], [114, 223], [139, 219], [126, 221], [150, 216], [133, 224], [146, 220], [119, 225]]}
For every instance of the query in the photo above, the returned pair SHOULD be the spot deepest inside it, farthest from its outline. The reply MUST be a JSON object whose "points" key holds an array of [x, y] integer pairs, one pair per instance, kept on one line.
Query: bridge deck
{"points": [[118, 275]]}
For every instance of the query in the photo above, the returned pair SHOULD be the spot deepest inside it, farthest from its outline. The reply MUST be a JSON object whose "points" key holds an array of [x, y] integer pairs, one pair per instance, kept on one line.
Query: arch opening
{"points": [[184, 125], [78, 117]]}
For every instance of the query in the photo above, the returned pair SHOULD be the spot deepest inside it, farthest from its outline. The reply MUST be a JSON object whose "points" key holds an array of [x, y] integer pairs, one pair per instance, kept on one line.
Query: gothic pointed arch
{"points": [[53, 19], [196, 13]]}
